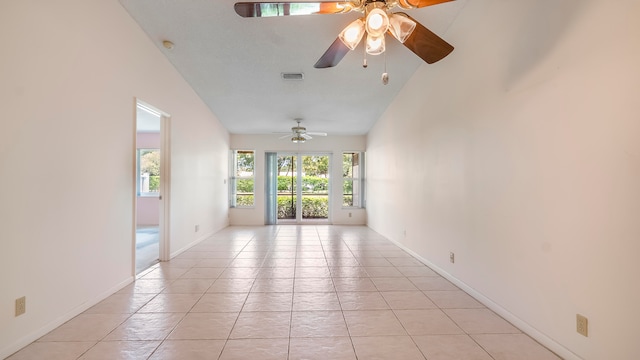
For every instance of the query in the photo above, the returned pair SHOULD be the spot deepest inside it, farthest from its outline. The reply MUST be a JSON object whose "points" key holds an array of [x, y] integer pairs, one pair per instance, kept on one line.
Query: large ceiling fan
{"points": [[376, 22], [299, 134]]}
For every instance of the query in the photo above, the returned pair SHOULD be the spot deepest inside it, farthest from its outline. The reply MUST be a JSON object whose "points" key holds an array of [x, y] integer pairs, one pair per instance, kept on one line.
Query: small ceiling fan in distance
{"points": [[299, 134], [378, 20]]}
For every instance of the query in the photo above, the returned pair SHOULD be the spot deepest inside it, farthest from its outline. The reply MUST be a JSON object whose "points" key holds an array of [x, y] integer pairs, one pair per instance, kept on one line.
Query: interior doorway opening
{"points": [[151, 186]]}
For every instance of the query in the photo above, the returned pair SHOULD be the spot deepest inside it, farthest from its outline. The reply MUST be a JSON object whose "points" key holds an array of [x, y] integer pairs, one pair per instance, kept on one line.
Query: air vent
{"points": [[292, 76]]}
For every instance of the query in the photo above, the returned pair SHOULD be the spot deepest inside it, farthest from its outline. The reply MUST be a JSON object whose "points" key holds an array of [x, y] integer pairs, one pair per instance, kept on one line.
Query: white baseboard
{"points": [[510, 317], [35, 335]]}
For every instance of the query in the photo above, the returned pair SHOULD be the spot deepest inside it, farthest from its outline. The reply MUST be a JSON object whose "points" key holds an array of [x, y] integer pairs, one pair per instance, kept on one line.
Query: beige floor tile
{"points": [[145, 286], [204, 326], [311, 262], [247, 263], [318, 324], [315, 301], [404, 261], [219, 263], [202, 273], [121, 304], [453, 299], [386, 347], [188, 350], [313, 285], [427, 322], [334, 348], [165, 273], [373, 323], [86, 327], [154, 326], [178, 303], [416, 271], [382, 271], [122, 350], [220, 302], [408, 300], [514, 347], [273, 285], [231, 285], [393, 284], [480, 321], [263, 349], [354, 284], [432, 283], [289, 292], [188, 286], [276, 273], [373, 261], [313, 272], [52, 350], [362, 300], [240, 273], [450, 347], [262, 325], [348, 272], [272, 301]]}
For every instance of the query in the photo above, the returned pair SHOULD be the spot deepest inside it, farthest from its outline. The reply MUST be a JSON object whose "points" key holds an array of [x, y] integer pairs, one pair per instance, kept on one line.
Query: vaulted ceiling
{"points": [[235, 64]]}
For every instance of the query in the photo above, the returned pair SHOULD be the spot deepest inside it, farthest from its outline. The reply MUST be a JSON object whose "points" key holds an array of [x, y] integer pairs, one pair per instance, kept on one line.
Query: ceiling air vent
{"points": [[292, 76]]}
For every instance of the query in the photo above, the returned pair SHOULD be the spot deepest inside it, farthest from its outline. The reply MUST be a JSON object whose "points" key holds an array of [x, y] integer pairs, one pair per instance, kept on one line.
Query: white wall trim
{"points": [[35, 335], [507, 315]]}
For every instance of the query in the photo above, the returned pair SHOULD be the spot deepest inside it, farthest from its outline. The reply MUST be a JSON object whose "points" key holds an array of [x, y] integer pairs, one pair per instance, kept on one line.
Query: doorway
{"points": [[151, 188], [302, 188]]}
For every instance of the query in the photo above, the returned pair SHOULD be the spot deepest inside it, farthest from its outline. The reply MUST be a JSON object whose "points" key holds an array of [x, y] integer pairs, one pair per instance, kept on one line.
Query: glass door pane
{"points": [[315, 187], [287, 186]]}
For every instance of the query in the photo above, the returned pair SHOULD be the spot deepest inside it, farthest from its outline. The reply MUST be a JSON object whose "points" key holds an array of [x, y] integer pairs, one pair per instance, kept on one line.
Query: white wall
{"points": [[332, 144], [520, 152], [71, 69]]}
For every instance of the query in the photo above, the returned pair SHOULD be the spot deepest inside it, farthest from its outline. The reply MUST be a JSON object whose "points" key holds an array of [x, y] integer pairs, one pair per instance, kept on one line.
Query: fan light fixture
{"points": [[298, 139], [376, 23], [352, 34]]}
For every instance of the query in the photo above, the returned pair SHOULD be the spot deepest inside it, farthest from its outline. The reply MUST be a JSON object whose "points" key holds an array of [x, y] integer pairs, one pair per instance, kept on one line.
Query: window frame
{"points": [[234, 178], [139, 186], [356, 179]]}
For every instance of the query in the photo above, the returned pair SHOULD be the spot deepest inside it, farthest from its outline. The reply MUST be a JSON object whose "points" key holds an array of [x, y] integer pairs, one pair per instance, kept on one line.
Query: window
{"points": [[148, 183], [242, 179], [353, 179]]}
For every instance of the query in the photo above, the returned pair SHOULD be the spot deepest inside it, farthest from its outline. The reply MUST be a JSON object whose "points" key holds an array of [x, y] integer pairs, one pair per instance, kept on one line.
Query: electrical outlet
{"points": [[582, 325], [21, 306], [452, 257], [197, 228], [349, 214]]}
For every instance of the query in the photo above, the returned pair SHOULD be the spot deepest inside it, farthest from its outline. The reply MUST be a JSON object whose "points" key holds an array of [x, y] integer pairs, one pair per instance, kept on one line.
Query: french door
{"points": [[302, 188]]}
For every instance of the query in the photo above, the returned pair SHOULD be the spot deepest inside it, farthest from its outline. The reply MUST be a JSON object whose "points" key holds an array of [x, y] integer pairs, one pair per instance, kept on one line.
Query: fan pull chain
{"points": [[364, 62], [385, 75]]}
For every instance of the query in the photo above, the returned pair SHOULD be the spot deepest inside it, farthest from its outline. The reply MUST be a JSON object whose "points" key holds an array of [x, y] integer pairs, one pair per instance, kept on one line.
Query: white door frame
{"points": [[165, 185], [299, 154]]}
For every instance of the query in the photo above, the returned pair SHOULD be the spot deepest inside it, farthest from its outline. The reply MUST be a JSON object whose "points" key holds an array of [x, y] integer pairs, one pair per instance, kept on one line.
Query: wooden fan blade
{"points": [[333, 55], [269, 9], [409, 4], [427, 45]]}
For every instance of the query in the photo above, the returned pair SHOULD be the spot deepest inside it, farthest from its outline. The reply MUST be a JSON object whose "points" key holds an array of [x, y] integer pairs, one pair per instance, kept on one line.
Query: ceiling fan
{"points": [[376, 22], [299, 134]]}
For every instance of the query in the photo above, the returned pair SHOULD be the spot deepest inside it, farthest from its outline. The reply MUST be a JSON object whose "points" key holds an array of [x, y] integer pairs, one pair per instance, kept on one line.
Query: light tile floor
{"points": [[289, 292]]}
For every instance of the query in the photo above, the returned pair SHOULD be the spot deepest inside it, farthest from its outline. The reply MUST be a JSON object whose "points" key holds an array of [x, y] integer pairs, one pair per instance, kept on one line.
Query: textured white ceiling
{"points": [[235, 63]]}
